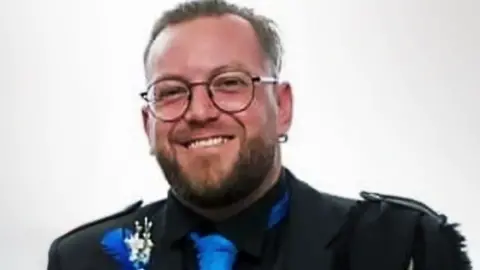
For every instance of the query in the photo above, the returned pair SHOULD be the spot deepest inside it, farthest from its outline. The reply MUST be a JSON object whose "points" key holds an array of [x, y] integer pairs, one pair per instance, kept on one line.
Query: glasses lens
{"points": [[169, 98], [232, 91]]}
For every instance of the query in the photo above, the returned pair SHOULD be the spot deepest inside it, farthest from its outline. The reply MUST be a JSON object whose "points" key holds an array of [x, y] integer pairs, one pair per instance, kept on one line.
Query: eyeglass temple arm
{"points": [[268, 79]]}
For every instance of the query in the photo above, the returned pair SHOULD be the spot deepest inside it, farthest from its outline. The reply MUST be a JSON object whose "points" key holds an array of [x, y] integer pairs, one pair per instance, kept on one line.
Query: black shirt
{"points": [[248, 230]]}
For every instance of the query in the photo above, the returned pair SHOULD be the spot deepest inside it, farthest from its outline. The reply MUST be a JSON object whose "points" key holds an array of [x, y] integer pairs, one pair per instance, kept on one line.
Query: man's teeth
{"points": [[214, 141]]}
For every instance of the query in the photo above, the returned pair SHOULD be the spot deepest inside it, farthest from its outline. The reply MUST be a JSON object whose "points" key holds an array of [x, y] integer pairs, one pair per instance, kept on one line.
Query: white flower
{"points": [[140, 247], [135, 243]]}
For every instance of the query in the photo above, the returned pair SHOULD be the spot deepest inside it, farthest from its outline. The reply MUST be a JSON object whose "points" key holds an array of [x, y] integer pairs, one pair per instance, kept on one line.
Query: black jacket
{"points": [[377, 233]]}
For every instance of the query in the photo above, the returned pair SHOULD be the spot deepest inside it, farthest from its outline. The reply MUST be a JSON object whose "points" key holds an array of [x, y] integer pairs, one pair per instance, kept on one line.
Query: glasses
{"points": [[231, 92]]}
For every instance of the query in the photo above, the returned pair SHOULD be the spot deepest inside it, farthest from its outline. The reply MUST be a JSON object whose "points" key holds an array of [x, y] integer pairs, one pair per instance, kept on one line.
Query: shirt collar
{"points": [[247, 229]]}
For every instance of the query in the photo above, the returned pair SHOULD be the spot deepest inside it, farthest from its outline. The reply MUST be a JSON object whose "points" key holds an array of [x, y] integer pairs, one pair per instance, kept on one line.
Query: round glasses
{"points": [[230, 92]]}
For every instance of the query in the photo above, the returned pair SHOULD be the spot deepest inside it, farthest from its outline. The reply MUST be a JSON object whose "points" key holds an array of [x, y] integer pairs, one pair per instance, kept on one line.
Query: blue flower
{"points": [[130, 250]]}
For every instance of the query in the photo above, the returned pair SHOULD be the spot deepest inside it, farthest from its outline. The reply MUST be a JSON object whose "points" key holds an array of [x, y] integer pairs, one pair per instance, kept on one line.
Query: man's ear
{"points": [[285, 107]]}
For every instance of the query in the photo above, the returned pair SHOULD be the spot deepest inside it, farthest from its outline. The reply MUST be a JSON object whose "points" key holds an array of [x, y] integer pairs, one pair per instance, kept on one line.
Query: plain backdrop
{"points": [[387, 99]]}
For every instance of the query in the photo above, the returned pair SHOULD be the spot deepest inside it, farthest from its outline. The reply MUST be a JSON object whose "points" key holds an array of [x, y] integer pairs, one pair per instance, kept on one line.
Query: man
{"points": [[215, 116]]}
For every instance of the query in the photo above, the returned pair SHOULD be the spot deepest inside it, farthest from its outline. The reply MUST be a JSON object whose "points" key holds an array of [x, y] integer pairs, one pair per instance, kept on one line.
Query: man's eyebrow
{"points": [[169, 76], [232, 65], [226, 67]]}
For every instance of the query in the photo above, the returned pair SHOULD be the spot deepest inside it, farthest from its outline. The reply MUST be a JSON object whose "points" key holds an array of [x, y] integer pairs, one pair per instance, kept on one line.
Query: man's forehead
{"points": [[206, 40], [230, 24]]}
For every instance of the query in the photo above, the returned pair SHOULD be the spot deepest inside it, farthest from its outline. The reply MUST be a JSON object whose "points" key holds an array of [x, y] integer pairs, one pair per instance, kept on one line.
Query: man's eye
{"points": [[231, 82], [170, 92]]}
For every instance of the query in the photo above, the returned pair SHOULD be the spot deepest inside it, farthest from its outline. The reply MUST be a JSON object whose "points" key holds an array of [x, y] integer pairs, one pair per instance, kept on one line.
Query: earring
{"points": [[283, 138]]}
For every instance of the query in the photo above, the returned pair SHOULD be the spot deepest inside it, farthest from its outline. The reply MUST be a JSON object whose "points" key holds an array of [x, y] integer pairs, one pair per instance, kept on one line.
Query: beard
{"points": [[253, 163]]}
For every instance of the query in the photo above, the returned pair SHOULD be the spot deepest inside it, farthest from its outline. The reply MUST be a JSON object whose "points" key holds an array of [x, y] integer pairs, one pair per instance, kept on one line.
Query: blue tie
{"points": [[216, 252]]}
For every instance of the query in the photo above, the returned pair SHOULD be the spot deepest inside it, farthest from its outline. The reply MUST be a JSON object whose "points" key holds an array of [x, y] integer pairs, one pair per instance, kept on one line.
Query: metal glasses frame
{"points": [[207, 84]]}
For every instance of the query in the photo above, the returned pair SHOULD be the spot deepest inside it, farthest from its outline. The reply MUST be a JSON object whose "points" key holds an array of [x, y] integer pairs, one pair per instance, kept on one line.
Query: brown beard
{"points": [[254, 162]]}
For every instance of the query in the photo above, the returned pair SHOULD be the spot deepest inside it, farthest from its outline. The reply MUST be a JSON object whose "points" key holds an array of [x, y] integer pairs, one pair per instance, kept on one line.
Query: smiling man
{"points": [[215, 116]]}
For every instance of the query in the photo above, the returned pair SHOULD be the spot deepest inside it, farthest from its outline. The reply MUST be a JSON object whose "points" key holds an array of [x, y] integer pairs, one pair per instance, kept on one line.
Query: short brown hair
{"points": [[265, 28]]}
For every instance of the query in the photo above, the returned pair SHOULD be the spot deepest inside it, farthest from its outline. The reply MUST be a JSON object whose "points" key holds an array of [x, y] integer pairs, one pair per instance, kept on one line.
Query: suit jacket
{"points": [[377, 233]]}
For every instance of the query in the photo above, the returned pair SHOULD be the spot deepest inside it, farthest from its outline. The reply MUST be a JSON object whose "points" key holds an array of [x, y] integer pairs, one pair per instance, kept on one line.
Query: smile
{"points": [[208, 142]]}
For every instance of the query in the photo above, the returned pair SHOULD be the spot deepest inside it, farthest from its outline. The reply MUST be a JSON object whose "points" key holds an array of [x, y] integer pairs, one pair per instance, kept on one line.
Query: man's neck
{"points": [[228, 211]]}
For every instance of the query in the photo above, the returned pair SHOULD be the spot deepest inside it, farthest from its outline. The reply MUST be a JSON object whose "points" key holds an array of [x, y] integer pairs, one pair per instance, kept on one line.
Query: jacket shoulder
{"points": [[409, 205], [432, 238]]}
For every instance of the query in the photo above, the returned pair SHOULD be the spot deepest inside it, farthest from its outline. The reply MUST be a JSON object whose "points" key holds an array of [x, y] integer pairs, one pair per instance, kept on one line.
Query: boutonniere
{"points": [[130, 249]]}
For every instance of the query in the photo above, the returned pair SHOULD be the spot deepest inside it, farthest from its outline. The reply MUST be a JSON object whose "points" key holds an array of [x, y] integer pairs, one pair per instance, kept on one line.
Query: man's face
{"points": [[211, 157]]}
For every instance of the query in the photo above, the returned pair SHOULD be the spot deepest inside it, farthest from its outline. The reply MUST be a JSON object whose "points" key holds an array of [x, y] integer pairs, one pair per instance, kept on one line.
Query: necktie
{"points": [[216, 252]]}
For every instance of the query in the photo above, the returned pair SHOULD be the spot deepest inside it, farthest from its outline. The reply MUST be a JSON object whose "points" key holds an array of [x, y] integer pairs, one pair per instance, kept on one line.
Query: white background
{"points": [[387, 99]]}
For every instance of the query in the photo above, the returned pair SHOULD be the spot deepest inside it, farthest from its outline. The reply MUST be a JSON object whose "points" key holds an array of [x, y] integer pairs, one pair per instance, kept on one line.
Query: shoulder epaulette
{"points": [[405, 202], [127, 210]]}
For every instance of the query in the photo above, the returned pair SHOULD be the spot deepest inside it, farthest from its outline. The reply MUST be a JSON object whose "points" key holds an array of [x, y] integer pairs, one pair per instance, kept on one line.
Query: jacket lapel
{"points": [[314, 220], [163, 255]]}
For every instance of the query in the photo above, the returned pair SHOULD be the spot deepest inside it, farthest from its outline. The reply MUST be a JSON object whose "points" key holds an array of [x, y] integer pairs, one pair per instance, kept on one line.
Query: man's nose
{"points": [[201, 107]]}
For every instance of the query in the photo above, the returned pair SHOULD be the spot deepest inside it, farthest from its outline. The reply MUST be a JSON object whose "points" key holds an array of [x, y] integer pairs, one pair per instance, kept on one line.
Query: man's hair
{"points": [[265, 28]]}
